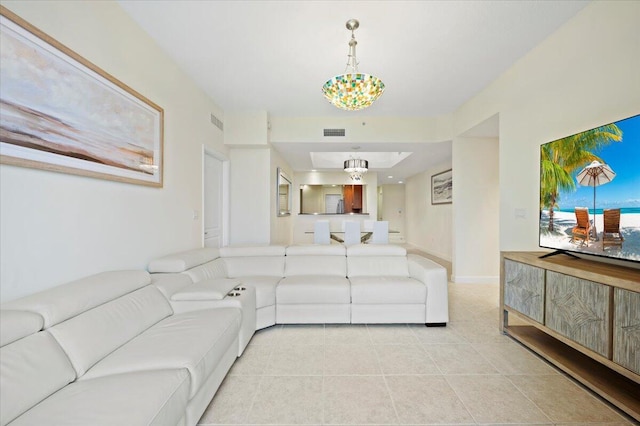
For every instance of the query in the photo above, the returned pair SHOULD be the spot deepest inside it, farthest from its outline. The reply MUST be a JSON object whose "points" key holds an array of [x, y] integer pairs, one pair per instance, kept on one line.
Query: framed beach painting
{"points": [[442, 188], [62, 113]]}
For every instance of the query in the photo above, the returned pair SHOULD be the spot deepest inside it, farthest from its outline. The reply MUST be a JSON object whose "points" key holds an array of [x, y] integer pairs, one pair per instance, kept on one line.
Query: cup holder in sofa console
{"points": [[240, 288], [234, 294]]}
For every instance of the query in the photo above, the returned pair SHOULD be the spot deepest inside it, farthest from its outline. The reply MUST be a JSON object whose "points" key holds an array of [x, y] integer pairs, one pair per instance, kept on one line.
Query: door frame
{"points": [[225, 194]]}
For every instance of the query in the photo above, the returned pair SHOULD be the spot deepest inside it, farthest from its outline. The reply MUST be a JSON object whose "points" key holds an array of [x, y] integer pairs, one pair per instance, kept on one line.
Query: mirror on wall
{"points": [[284, 194], [332, 199]]}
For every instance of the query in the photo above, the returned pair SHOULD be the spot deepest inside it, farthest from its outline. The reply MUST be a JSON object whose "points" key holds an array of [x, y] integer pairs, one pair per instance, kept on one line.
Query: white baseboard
{"points": [[488, 279]]}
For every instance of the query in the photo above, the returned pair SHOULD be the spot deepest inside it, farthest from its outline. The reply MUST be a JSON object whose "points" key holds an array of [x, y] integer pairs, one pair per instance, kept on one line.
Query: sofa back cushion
{"points": [[60, 303], [210, 270], [367, 260], [252, 251], [15, 325], [92, 335], [31, 369], [180, 262], [253, 261], [169, 284], [327, 260]]}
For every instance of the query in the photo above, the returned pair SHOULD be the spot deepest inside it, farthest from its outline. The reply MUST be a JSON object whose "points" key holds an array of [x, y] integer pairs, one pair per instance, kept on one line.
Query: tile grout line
{"points": [[386, 385], [475, 421], [530, 400], [262, 376]]}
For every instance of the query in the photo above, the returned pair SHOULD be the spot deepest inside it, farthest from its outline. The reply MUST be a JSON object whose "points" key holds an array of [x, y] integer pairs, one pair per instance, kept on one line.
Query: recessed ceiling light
{"points": [[313, 170], [390, 177], [400, 181]]}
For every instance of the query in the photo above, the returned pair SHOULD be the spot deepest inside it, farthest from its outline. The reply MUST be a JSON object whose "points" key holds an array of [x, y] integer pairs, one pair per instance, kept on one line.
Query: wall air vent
{"points": [[217, 122], [334, 132]]}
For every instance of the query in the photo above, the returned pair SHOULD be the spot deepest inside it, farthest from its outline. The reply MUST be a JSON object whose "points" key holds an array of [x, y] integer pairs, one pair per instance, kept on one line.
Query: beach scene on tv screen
{"points": [[590, 191]]}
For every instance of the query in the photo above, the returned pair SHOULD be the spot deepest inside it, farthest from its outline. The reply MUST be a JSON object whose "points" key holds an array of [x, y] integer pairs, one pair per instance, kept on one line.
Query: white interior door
{"points": [[213, 216]]}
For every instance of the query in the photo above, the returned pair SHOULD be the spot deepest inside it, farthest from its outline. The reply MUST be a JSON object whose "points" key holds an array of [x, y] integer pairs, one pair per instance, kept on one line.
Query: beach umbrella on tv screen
{"points": [[595, 174]]}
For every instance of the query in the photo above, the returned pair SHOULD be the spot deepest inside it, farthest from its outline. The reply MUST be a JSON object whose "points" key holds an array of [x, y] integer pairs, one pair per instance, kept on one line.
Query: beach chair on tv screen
{"points": [[611, 235], [582, 230]]}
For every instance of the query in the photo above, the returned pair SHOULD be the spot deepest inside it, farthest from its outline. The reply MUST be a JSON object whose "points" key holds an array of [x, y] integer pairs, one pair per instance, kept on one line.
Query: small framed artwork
{"points": [[442, 188], [62, 113]]}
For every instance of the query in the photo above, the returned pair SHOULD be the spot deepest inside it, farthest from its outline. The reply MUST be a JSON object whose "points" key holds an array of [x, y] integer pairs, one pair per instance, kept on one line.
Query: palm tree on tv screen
{"points": [[561, 158]]}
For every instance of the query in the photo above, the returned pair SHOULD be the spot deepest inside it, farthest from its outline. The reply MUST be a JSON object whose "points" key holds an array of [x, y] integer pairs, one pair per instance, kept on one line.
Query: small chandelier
{"points": [[353, 90], [356, 168]]}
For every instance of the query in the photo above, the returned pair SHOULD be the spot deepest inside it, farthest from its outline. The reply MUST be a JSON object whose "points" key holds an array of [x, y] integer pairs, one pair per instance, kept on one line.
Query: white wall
{"points": [[394, 210], [582, 76], [246, 128], [57, 227], [251, 196], [428, 227], [362, 129], [476, 202]]}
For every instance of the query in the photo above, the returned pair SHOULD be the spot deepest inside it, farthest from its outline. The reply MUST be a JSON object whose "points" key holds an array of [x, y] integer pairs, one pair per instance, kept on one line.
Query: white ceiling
{"points": [[274, 56]]}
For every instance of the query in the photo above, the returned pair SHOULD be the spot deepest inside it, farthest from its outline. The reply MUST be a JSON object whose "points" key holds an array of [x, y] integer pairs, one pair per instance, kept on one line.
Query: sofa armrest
{"points": [[210, 289], [434, 276]]}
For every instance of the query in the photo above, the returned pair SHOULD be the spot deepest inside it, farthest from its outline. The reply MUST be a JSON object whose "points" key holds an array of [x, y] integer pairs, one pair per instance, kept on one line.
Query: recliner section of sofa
{"points": [[315, 288], [363, 283], [109, 349], [257, 268]]}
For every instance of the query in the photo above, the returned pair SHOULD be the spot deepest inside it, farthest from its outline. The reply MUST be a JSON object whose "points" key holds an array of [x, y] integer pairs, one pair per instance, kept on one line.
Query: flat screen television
{"points": [[590, 192]]}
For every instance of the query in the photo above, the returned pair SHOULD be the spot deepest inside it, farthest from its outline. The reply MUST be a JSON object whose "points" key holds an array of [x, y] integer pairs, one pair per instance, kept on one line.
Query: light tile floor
{"points": [[465, 373]]}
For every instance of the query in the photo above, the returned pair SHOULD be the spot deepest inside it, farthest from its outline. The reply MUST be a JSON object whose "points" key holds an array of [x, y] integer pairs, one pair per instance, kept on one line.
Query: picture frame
{"points": [[442, 187], [62, 113]]}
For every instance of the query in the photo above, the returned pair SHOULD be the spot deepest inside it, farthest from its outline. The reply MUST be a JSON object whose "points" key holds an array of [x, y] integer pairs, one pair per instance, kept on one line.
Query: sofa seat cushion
{"points": [[194, 340], [156, 397], [387, 290], [265, 289], [313, 289]]}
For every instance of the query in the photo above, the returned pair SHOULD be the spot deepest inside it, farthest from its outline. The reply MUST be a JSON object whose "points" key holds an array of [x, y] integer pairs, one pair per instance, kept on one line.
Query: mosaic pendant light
{"points": [[353, 90]]}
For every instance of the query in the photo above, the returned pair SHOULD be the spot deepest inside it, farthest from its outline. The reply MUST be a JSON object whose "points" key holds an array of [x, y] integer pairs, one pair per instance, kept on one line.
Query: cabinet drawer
{"points": [[524, 289], [626, 329], [580, 310]]}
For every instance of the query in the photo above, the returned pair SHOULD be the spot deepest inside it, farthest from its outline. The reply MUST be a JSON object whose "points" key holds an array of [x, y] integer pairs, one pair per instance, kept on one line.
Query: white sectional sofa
{"points": [[364, 283], [133, 348], [110, 350]]}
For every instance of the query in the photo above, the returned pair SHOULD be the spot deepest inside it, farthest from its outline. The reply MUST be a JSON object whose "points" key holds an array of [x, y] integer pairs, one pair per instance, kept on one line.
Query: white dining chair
{"points": [[367, 225], [380, 232], [321, 233], [351, 230]]}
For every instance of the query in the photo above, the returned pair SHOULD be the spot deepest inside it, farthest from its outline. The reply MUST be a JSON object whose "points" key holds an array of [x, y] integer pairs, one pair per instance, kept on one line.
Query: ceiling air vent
{"points": [[334, 132], [217, 122]]}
